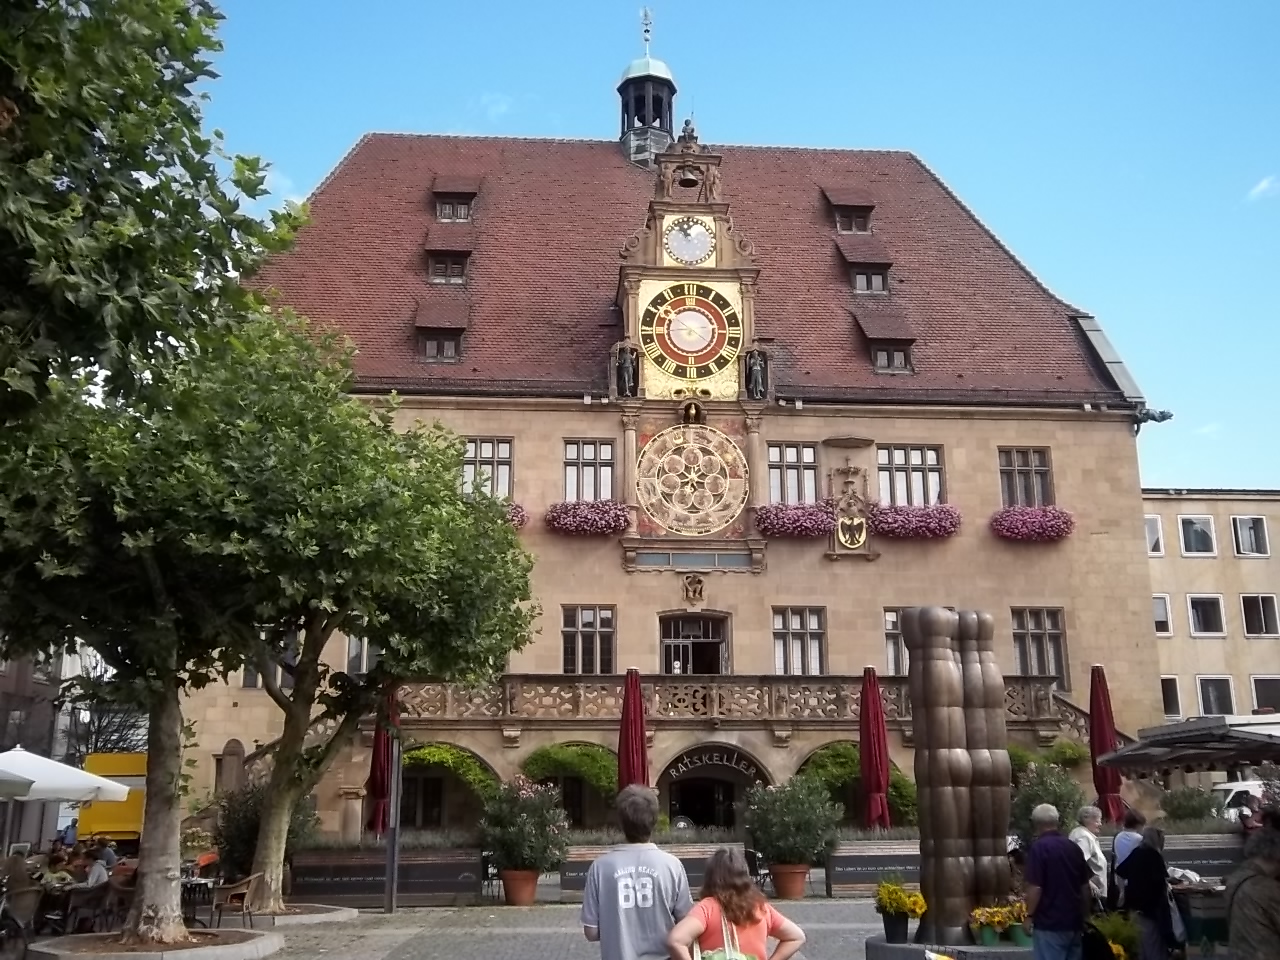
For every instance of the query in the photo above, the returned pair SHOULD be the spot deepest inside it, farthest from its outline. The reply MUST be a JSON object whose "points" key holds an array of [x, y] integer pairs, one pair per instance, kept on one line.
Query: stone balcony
{"points": [[1031, 703]]}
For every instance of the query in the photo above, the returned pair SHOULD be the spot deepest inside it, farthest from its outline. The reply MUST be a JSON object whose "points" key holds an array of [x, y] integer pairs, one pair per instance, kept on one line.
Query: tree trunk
{"points": [[285, 785], [156, 915]]}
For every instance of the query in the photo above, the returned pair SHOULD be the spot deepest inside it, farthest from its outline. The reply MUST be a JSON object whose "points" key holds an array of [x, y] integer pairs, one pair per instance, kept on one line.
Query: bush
{"points": [[1122, 929], [592, 764], [1020, 758], [236, 832], [461, 763], [792, 823], [1269, 774], [837, 767], [1043, 783], [525, 827], [1067, 754], [1189, 803]]}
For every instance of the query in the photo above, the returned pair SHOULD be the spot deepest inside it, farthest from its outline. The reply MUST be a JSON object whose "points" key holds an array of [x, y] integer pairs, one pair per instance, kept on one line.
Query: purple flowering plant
{"points": [[588, 518], [1032, 524], [906, 521], [517, 515], [524, 826], [796, 519]]}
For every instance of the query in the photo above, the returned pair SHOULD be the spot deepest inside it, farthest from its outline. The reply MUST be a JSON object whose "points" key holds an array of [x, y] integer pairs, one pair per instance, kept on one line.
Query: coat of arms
{"points": [[851, 532]]}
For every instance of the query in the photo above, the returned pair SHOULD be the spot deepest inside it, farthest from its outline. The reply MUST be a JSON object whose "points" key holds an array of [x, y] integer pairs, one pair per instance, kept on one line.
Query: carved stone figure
{"points": [[667, 183], [688, 138], [757, 374], [627, 366], [711, 184], [693, 587]]}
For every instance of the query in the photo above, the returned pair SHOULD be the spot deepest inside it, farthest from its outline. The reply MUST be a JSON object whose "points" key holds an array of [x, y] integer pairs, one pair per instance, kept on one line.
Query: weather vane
{"points": [[646, 19]]}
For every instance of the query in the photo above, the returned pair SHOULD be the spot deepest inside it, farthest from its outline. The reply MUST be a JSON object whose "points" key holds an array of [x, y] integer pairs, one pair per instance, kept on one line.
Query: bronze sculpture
{"points": [[757, 384], [961, 766], [627, 364]]}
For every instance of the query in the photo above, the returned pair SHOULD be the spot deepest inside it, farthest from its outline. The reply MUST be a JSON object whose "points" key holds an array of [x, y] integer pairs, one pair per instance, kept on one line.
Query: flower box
{"points": [[1032, 524], [906, 522], [797, 520], [517, 515], [588, 518]]}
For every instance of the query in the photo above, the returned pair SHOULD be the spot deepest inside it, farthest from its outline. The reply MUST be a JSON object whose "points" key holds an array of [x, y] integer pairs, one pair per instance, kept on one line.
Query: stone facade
{"points": [[1212, 569]]}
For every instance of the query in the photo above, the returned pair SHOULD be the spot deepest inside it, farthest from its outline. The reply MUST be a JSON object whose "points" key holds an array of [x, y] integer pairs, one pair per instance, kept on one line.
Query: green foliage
{"points": [[1020, 758], [525, 827], [1066, 754], [593, 764], [121, 228], [792, 823], [1120, 928], [461, 763], [837, 767], [1269, 774], [1043, 783], [1189, 803], [236, 832]]}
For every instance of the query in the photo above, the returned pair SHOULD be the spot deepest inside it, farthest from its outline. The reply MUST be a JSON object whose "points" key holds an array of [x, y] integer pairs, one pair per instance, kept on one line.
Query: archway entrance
{"points": [[706, 784]]}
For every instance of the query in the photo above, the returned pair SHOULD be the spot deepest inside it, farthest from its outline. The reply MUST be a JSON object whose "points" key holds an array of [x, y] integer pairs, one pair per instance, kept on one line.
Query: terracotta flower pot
{"points": [[519, 887], [789, 880], [895, 927]]}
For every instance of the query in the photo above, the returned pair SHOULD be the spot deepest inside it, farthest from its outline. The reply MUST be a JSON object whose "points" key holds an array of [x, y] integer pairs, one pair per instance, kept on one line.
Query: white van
{"points": [[1231, 796]]}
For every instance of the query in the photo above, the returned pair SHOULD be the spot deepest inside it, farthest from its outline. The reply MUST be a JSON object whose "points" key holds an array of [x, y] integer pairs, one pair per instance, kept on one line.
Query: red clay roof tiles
{"points": [[551, 216], [883, 323]]}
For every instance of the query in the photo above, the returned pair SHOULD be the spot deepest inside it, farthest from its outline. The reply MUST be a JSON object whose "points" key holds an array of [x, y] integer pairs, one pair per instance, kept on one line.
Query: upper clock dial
{"points": [[689, 240], [691, 331]]}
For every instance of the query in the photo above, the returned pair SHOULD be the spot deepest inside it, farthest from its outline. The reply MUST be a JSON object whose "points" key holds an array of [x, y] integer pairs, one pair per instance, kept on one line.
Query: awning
{"points": [[1204, 743]]}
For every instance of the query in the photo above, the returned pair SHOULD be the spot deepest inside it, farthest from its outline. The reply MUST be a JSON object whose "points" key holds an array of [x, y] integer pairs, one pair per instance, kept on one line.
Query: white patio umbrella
{"points": [[51, 780], [14, 788]]}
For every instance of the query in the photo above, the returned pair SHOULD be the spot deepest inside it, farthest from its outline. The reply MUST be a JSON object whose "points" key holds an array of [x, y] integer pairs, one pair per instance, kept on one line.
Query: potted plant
{"points": [[1017, 917], [790, 826], [796, 520], [914, 522], [896, 906], [1032, 524], [588, 518], [526, 833], [988, 923]]}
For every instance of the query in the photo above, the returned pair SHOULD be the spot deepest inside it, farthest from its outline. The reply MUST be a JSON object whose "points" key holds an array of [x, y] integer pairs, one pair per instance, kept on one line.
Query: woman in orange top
{"points": [[733, 909]]}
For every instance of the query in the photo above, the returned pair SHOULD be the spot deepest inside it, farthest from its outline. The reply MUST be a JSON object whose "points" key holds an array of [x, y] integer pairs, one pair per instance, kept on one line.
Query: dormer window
{"points": [[891, 358], [439, 346], [453, 208], [889, 337], [870, 280], [853, 219], [447, 268]]}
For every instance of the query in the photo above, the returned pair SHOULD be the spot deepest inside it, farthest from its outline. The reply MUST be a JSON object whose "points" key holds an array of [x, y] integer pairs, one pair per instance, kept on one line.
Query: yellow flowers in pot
{"points": [[894, 899]]}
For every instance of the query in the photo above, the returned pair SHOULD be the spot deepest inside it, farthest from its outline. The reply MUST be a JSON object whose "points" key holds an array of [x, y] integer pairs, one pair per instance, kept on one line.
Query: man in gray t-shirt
{"points": [[636, 892]]}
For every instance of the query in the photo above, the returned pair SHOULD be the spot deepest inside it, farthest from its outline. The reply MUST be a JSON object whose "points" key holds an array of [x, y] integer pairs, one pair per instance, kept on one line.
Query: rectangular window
{"points": [[1026, 479], [1250, 534], [1172, 697], [895, 648], [799, 635], [853, 219], [1198, 538], [1160, 614], [486, 466], [1039, 643], [453, 209], [871, 281], [588, 638], [910, 475], [1260, 618], [362, 656], [588, 469], [447, 268], [1155, 536], [793, 473], [249, 678], [1205, 613], [1217, 699], [440, 346], [892, 359], [1266, 693]]}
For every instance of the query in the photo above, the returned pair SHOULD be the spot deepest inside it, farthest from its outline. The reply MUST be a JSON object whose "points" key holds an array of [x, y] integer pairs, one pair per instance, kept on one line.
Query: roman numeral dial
{"points": [[691, 331]]}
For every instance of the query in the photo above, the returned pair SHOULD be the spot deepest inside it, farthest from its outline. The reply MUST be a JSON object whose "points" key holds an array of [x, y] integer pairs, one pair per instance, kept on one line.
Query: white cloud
{"points": [[1208, 428], [282, 187], [496, 105], [1265, 187]]}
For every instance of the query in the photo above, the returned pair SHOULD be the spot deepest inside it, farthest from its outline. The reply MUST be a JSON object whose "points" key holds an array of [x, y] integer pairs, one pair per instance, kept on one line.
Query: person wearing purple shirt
{"points": [[1056, 881]]}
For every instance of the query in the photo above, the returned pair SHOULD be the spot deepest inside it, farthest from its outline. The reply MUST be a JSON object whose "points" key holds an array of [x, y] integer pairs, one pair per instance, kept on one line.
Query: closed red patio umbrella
{"points": [[1102, 740], [378, 786], [633, 751], [873, 751]]}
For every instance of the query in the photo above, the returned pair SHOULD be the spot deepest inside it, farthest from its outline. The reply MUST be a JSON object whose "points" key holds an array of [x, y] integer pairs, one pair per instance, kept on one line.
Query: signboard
{"points": [[359, 882], [712, 761]]}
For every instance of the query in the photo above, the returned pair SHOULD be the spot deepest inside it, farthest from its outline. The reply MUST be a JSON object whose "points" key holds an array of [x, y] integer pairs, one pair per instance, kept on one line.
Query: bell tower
{"points": [[648, 92]]}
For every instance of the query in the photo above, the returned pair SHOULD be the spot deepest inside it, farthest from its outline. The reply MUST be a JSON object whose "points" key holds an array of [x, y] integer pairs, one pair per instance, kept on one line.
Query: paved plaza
{"points": [[836, 930]]}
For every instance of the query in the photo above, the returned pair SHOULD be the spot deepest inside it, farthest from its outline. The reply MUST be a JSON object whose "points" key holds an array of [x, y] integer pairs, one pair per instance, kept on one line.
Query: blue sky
{"points": [[1129, 152]]}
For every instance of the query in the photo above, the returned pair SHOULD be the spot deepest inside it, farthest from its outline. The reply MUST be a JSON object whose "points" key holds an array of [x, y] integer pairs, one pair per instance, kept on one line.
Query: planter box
{"points": [[355, 878], [854, 867], [573, 872]]}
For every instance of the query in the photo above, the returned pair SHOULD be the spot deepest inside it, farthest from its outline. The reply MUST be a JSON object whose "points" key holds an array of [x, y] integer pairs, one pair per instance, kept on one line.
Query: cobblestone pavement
{"points": [[836, 930]]}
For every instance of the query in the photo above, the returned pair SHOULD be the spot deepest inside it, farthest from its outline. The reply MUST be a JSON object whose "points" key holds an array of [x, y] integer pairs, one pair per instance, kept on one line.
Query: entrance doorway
{"points": [[694, 645], [705, 802]]}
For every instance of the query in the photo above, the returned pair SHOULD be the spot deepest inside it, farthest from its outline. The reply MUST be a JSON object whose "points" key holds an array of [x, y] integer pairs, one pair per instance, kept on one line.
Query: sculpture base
{"points": [[877, 949]]}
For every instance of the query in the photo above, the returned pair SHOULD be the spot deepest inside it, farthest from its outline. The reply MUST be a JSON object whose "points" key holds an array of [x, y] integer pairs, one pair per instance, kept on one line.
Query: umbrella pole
{"points": [[392, 881]]}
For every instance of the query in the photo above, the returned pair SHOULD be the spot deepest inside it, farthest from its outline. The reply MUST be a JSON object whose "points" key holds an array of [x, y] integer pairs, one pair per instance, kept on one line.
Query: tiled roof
{"points": [[882, 323], [551, 216]]}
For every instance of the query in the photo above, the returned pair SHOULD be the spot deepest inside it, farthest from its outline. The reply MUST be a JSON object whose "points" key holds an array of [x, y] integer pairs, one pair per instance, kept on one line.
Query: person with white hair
{"points": [[1058, 895], [1085, 836]]}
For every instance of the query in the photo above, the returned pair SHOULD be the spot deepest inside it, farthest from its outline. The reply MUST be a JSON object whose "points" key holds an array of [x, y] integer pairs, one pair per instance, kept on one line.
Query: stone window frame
{"points": [[891, 470], [806, 471], [1012, 474], [474, 458], [786, 635], [603, 639], [896, 658], [595, 466], [1051, 635]]}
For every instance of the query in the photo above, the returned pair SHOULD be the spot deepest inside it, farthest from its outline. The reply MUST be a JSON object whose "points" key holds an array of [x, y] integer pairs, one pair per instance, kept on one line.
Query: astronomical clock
{"points": [[691, 335], [692, 479]]}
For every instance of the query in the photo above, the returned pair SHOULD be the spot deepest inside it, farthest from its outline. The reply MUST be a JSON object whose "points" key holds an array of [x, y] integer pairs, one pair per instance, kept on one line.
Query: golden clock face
{"points": [[691, 331], [689, 240], [692, 479]]}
